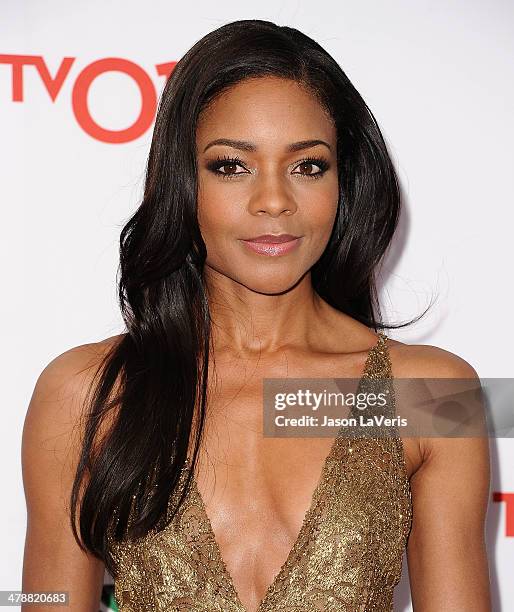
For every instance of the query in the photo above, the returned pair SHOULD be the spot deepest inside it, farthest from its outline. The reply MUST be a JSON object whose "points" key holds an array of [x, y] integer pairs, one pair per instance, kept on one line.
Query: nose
{"points": [[272, 196]]}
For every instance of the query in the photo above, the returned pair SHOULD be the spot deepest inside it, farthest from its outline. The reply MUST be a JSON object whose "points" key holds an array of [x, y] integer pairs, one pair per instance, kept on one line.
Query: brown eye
{"points": [[232, 168], [231, 163], [309, 164]]}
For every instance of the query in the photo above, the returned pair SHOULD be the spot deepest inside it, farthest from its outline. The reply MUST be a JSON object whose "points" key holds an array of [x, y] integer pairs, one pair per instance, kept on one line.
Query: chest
{"points": [[251, 483], [263, 498], [347, 549], [279, 521]]}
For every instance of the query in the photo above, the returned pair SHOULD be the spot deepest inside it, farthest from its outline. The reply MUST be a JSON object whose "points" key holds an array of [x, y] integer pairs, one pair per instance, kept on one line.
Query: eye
{"points": [[225, 162], [322, 164], [231, 164]]}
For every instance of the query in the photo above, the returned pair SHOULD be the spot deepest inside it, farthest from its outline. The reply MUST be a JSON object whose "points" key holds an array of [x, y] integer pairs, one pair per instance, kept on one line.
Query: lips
{"points": [[272, 245], [272, 238]]}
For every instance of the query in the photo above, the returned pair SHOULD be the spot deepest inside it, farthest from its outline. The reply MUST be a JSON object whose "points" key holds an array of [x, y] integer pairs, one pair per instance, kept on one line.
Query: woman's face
{"points": [[268, 183]]}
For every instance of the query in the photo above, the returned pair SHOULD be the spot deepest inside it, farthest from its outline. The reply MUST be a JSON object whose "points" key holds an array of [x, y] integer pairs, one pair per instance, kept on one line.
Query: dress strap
{"points": [[378, 363], [377, 378]]}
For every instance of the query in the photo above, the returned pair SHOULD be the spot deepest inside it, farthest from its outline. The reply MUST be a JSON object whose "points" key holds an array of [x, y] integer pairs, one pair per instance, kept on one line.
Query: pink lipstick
{"points": [[272, 245]]}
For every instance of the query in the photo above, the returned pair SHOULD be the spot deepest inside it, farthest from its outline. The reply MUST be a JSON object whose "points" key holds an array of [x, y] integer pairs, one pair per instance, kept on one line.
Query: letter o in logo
{"points": [[148, 100]]}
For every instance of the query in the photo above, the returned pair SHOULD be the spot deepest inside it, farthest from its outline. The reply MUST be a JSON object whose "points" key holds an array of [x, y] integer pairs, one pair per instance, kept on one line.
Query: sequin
{"points": [[347, 556]]}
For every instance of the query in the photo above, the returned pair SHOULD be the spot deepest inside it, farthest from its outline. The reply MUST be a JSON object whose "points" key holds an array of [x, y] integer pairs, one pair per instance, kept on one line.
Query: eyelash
{"points": [[226, 161]]}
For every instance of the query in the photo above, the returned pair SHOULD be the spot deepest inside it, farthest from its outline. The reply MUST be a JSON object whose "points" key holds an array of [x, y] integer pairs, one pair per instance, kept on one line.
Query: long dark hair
{"points": [[150, 381]]}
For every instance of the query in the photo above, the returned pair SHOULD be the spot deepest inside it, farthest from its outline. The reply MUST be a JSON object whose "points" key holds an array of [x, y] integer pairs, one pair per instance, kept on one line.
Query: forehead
{"points": [[255, 108]]}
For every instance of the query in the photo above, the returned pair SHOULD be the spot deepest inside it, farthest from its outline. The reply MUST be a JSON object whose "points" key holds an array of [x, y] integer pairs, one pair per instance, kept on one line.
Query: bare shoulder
{"points": [[53, 421], [51, 446], [79, 359], [63, 384], [451, 479], [427, 361]]}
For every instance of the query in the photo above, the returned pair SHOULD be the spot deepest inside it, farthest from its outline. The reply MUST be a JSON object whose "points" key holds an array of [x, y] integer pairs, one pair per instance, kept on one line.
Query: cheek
{"points": [[219, 222], [209, 211], [320, 212]]}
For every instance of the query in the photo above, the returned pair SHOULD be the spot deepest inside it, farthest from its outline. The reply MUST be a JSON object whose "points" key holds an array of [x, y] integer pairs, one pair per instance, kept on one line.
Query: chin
{"points": [[271, 284], [265, 279]]}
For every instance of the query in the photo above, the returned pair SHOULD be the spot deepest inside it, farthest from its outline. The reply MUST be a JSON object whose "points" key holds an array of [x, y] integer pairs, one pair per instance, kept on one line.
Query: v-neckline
{"points": [[310, 510]]}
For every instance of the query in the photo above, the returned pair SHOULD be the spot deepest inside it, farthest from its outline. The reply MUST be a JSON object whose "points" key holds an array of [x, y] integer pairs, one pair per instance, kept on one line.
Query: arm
{"points": [[446, 552], [53, 560]]}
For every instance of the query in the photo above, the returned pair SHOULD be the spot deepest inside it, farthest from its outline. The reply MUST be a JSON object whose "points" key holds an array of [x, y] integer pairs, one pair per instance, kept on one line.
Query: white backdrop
{"points": [[438, 77]]}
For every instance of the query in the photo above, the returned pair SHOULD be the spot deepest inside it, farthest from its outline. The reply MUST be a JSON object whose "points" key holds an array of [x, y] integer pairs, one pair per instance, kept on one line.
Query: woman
{"points": [[270, 199]]}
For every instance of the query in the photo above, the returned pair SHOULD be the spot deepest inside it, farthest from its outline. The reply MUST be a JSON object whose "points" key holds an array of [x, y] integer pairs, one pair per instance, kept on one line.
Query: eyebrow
{"points": [[244, 145]]}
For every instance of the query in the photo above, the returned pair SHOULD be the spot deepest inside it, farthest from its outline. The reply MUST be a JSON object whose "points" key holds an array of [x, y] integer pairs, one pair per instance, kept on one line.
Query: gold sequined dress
{"points": [[347, 556]]}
